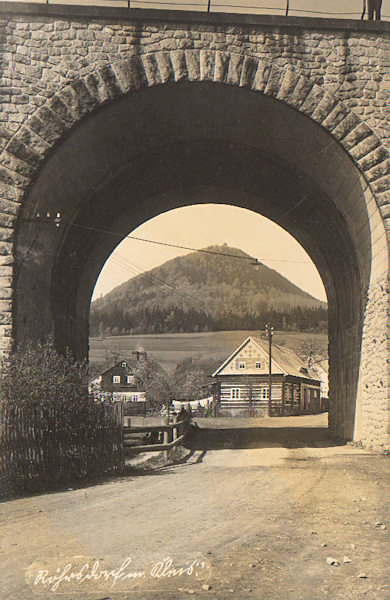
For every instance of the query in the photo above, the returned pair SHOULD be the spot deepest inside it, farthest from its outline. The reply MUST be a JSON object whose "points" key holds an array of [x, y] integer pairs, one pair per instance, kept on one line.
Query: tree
{"points": [[310, 351], [161, 387]]}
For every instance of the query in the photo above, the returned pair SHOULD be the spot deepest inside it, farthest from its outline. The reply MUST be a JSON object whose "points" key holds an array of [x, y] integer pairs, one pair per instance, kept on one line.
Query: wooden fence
{"points": [[170, 436], [40, 447]]}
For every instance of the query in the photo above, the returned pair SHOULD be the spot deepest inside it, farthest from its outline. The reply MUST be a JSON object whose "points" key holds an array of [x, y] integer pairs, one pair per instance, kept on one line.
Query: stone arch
{"points": [[38, 138], [50, 122]]}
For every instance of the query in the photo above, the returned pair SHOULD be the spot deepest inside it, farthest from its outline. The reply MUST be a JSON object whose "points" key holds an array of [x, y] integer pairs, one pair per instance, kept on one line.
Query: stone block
{"points": [[356, 136], [43, 130], [221, 66], [100, 87], [10, 192], [339, 113], [6, 249], [18, 148], [9, 207], [207, 65], [109, 87], [373, 158], [179, 65], [312, 100], [152, 71], [235, 69], [273, 82], [288, 85], [13, 179], [345, 126], [379, 171], [15, 164], [165, 66], [248, 72], [58, 107], [193, 64], [5, 304], [301, 92], [324, 108], [381, 185], [78, 98], [261, 76], [364, 147], [136, 72]]}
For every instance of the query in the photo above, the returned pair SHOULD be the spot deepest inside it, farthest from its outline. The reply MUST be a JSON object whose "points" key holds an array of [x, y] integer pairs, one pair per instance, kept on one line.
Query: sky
{"points": [[202, 225], [326, 8], [309, 8]]}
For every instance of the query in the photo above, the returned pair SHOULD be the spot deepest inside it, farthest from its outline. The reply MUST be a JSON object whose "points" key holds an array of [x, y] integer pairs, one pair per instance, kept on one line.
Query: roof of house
{"points": [[128, 368], [283, 359]]}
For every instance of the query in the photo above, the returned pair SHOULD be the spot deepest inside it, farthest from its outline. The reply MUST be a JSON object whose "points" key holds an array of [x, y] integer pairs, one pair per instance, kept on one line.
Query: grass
{"points": [[170, 349]]}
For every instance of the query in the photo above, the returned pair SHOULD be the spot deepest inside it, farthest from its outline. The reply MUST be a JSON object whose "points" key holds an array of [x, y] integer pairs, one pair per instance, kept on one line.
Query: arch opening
{"points": [[198, 225], [146, 153]]}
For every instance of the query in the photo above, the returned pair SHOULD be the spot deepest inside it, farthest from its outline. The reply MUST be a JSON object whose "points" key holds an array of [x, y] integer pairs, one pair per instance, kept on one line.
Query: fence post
{"points": [[165, 441]]}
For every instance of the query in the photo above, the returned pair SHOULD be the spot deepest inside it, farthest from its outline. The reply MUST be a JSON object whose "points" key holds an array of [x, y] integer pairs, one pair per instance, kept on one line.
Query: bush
{"points": [[51, 432], [38, 376]]}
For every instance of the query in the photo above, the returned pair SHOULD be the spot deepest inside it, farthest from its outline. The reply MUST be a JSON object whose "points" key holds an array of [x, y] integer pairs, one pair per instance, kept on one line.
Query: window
{"points": [[116, 379], [129, 378], [264, 393], [235, 393], [124, 365], [258, 365], [241, 364]]}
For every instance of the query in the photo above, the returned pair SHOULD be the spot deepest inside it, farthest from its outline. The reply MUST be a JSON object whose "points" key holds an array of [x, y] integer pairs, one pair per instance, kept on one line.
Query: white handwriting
{"points": [[86, 573], [94, 572]]}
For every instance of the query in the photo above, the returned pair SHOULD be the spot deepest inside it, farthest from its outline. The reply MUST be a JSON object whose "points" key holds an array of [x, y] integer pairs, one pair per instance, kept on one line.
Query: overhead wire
{"points": [[201, 250], [150, 277]]}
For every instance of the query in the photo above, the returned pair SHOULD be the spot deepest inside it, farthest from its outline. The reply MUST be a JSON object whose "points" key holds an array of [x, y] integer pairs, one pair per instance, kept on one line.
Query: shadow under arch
{"points": [[149, 152]]}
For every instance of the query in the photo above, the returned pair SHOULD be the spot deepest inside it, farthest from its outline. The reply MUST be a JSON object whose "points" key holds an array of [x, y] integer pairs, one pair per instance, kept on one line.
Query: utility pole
{"points": [[269, 331]]}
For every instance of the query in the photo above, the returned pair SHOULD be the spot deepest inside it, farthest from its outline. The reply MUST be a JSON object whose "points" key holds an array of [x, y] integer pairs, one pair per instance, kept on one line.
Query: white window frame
{"points": [[235, 393], [258, 365], [264, 393], [241, 364], [129, 378], [116, 379]]}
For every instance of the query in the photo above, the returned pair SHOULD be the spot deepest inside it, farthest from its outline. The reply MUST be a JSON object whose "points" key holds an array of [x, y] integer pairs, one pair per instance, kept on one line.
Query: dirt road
{"points": [[257, 522]]}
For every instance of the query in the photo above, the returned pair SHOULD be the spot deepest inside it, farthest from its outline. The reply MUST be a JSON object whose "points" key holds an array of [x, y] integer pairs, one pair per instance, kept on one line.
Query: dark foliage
{"points": [[204, 292]]}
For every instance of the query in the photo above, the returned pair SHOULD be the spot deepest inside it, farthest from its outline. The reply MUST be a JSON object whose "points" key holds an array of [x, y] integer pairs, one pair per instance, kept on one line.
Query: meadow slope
{"points": [[170, 349]]}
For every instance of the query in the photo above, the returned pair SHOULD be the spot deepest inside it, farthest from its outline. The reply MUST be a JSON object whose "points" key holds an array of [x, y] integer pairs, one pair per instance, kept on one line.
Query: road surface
{"points": [[260, 522]]}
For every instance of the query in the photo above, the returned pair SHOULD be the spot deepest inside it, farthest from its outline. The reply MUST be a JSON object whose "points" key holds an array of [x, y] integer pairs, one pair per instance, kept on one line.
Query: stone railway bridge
{"points": [[112, 116]]}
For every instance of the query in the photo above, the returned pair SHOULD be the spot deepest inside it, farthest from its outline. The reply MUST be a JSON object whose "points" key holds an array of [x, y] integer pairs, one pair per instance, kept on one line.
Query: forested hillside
{"points": [[206, 292]]}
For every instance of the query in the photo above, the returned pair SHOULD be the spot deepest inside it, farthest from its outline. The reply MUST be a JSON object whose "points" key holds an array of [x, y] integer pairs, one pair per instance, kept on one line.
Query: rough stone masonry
{"points": [[62, 64]]}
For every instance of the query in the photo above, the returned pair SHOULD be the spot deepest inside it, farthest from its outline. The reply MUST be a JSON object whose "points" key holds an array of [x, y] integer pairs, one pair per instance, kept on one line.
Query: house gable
{"points": [[249, 359], [119, 377]]}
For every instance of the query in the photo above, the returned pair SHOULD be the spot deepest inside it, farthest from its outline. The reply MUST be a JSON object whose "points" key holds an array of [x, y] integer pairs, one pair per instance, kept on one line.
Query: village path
{"points": [[257, 522]]}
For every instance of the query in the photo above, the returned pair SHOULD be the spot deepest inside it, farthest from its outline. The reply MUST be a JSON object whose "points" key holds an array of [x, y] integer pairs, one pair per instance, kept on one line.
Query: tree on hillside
{"points": [[206, 291]]}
